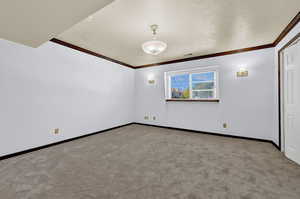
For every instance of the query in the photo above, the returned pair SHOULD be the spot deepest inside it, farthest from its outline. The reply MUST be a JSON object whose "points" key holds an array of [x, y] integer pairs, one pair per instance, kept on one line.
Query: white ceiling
{"points": [[189, 26], [33, 22]]}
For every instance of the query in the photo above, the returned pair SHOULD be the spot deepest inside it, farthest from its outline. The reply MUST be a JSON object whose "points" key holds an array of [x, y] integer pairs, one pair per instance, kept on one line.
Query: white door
{"points": [[291, 82]]}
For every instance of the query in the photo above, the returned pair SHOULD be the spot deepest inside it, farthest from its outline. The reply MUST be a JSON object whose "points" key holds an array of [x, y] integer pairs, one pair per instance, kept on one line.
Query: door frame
{"points": [[280, 90]]}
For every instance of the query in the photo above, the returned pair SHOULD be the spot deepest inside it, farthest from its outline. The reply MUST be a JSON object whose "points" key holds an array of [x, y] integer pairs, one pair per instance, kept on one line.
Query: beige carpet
{"points": [[141, 162]]}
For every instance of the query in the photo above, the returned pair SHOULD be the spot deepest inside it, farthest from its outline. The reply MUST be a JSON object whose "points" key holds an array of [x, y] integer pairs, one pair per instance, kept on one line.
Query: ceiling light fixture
{"points": [[154, 47]]}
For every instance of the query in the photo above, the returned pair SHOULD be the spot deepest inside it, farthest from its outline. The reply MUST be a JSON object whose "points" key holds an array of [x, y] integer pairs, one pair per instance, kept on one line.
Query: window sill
{"points": [[192, 100]]}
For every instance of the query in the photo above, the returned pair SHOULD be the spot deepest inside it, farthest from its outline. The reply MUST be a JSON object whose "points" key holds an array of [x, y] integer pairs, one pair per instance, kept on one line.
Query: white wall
{"points": [[285, 40], [57, 87], [247, 104]]}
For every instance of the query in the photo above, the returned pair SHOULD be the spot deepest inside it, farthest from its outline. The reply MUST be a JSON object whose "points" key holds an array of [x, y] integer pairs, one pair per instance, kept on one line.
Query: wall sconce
{"points": [[242, 73], [151, 79]]}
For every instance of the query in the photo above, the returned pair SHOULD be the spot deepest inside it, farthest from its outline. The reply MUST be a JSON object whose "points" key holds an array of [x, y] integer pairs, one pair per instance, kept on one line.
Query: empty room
{"points": [[150, 99]]}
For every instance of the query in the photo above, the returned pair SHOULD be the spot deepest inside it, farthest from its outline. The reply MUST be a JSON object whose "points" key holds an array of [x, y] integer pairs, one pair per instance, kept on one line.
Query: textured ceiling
{"points": [[199, 27], [33, 22]]}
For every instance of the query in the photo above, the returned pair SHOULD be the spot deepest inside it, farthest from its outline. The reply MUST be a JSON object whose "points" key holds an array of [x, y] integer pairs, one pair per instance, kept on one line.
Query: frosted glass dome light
{"points": [[154, 47]]}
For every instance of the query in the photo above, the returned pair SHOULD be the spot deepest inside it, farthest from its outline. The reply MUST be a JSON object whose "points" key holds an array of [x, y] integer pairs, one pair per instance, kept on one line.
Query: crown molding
{"points": [[69, 45], [287, 29], [209, 55]]}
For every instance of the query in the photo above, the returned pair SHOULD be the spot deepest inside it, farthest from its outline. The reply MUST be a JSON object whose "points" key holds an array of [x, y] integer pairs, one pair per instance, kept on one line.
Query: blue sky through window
{"points": [[209, 76], [180, 82]]}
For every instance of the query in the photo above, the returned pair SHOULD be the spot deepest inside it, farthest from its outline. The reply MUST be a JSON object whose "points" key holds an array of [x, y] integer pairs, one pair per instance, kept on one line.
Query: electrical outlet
{"points": [[146, 117], [225, 125], [154, 118], [56, 131]]}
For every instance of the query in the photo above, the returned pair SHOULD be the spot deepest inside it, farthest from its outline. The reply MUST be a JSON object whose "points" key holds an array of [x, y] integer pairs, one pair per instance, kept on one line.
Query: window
{"points": [[195, 84]]}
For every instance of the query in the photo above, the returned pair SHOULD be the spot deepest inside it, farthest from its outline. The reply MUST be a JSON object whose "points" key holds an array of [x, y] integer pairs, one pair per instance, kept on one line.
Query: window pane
{"points": [[180, 86], [203, 85], [203, 94], [209, 76]]}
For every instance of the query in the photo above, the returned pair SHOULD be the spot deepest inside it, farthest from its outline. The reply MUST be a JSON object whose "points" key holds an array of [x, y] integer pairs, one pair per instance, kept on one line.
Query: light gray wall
{"points": [[57, 87], [247, 104], [285, 40]]}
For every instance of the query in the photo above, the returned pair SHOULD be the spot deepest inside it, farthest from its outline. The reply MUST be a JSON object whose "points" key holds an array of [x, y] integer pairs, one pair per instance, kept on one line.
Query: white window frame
{"points": [[168, 95]]}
